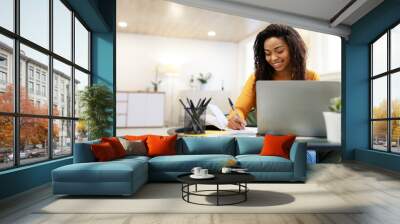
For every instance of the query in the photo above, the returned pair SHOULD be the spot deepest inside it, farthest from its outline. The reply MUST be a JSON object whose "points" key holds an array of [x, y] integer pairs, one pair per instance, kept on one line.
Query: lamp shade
{"points": [[168, 69]]}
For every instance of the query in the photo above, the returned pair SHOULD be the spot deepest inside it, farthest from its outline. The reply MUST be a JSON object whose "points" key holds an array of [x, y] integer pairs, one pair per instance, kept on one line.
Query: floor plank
{"points": [[377, 190]]}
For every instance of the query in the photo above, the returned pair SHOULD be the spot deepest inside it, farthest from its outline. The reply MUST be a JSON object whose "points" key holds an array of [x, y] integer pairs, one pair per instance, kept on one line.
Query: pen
{"points": [[232, 106]]}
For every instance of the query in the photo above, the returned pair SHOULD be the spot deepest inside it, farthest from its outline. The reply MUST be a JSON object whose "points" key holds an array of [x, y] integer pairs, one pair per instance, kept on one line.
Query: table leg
{"points": [[217, 194], [245, 193]]}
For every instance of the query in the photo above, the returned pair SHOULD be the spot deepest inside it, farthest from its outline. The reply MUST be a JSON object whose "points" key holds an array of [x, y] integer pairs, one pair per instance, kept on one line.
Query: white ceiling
{"points": [[164, 18], [234, 20]]}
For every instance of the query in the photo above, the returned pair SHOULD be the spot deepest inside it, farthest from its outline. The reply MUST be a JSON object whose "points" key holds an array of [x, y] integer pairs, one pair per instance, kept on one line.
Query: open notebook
{"points": [[215, 117]]}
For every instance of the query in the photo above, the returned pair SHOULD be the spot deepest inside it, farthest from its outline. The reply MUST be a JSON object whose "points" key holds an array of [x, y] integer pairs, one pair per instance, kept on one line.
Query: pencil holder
{"points": [[194, 120]]}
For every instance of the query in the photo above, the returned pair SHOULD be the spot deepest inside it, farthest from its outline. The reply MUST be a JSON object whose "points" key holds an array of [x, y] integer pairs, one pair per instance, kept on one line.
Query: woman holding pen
{"points": [[279, 54]]}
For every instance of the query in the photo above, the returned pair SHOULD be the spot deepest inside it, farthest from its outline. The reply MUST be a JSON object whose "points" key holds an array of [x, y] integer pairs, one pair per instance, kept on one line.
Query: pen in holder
{"points": [[194, 119]]}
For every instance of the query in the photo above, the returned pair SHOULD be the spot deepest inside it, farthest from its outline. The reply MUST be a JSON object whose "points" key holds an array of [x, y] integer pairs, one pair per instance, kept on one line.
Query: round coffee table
{"points": [[238, 179]]}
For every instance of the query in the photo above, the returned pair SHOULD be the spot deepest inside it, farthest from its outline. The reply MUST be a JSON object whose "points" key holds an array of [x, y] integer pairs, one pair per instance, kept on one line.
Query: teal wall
{"points": [[99, 16], [104, 53], [355, 74], [24, 178]]}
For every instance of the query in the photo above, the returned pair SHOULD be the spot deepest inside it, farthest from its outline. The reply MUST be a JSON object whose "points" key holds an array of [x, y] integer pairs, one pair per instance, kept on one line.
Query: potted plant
{"points": [[97, 105], [333, 120], [156, 84], [203, 79]]}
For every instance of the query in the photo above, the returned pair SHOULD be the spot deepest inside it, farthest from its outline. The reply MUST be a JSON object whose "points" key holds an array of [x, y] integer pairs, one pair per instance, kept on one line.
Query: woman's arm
{"points": [[245, 102]]}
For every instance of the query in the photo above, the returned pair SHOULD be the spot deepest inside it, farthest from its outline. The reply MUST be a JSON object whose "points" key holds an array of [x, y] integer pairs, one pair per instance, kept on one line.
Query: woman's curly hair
{"points": [[297, 52]]}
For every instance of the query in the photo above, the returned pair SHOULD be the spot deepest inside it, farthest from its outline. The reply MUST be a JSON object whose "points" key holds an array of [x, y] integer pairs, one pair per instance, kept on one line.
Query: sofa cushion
{"points": [[112, 171], [257, 163], [161, 145], [103, 152], [207, 145], [249, 145], [116, 145], [134, 147], [185, 163], [277, 145]]}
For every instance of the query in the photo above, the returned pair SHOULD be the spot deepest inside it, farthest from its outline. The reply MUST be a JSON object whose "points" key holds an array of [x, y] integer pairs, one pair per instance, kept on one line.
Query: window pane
{"points": [[6, 74], [395, 47], [379, 97], [379, 55], [81, 81], [62, 138], [7, 14], [81, 131], [62, 89], [395, 95], [395, 136], [62, 29], [35, 21], [379, 135], [81, 45], [34, 72], [33, 139], [6, 142]]}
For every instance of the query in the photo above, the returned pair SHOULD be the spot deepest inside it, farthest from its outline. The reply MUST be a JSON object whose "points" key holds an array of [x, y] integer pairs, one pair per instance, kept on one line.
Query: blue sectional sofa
{"points": [[125, 176]]}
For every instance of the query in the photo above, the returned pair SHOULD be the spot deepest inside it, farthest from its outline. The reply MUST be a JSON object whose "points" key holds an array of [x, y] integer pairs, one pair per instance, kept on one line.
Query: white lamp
{"points": [[172, 71]]}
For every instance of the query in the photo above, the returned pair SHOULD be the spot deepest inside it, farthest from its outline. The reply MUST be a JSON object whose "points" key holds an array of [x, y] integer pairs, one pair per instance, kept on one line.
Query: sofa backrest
{"points": [[83, 152], [190, 146], [206, 145], [249, 145]]}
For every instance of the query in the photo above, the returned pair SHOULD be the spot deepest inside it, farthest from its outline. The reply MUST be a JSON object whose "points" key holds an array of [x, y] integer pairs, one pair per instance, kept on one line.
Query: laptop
{"points": [[294, 107]]}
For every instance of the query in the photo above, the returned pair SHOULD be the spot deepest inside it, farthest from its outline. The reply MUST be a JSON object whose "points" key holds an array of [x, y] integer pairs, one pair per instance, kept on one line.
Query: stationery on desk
{"points": [[217, 118]]}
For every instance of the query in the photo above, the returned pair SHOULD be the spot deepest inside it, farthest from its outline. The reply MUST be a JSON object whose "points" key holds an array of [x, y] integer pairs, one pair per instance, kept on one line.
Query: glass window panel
{"points": [[379, 135], [33, 140], [379, 55], [6, 142], [81, 45], [379, 97], [62, 138], [6, 74], [62, 29], [35, 21], [395, 47], [81, 131], [395, 136], [62, 89], [7, 14], [395, 95], [81, 81], [31, 58]]}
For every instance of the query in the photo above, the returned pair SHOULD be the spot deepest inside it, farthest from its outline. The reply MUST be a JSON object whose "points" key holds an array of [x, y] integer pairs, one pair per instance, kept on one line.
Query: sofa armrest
{"points": [[298, 157], [83, 152]]}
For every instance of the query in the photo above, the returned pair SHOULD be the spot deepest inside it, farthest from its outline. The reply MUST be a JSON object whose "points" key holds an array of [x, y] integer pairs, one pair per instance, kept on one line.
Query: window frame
{"points": [[16, 114], [388, 74]]}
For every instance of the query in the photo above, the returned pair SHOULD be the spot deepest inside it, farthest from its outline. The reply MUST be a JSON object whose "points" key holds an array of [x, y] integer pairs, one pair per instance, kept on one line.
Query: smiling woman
{"points": [[279, 54]]}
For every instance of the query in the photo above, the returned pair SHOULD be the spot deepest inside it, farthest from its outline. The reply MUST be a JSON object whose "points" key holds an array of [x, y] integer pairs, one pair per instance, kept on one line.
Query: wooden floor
{"points": [[379, 189]]}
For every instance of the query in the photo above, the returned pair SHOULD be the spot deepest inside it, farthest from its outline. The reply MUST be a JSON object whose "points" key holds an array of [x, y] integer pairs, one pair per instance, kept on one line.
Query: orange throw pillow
{"points": [[116, 145], [103, 152], [275, 145], [161, 145], [136, 137]]}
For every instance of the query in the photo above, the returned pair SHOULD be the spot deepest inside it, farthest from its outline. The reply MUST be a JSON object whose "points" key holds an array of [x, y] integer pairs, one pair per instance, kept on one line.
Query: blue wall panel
{"points": [[356, 84]]}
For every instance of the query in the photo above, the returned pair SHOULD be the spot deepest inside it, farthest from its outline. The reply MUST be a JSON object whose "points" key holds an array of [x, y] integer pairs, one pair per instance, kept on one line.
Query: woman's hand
{"points": [[236, 122]]}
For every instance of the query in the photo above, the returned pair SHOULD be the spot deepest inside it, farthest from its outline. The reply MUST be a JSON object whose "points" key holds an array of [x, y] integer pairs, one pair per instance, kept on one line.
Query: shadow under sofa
{"points": [[126, 175]]}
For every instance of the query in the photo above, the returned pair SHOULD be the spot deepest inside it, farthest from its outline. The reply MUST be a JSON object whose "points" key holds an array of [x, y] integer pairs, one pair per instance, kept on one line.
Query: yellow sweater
{"points": [[247, 99]]}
